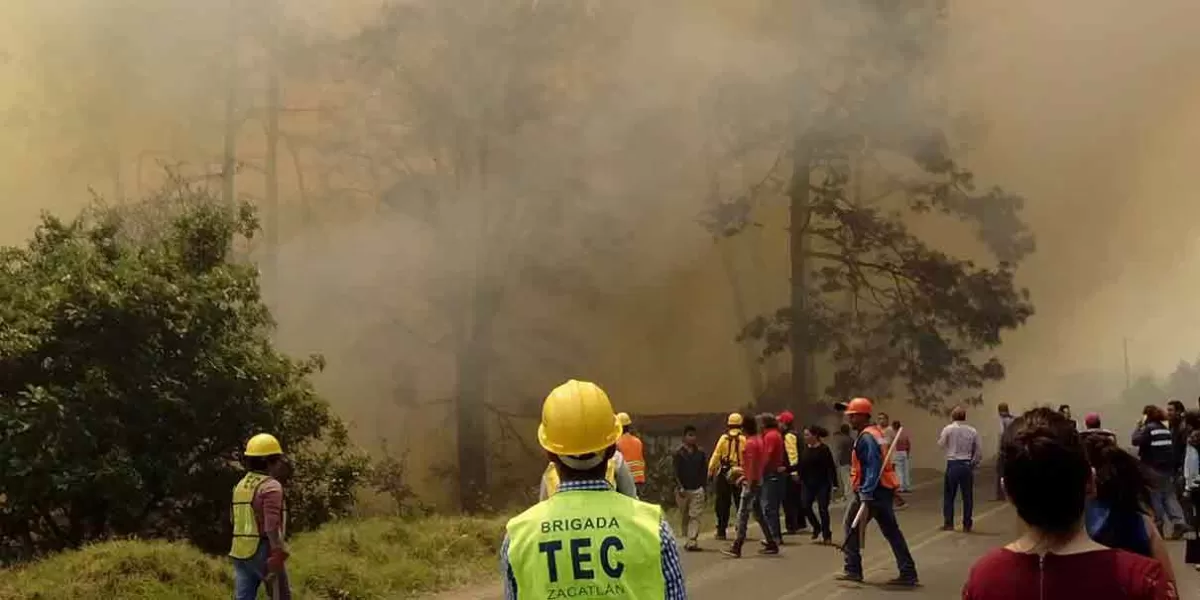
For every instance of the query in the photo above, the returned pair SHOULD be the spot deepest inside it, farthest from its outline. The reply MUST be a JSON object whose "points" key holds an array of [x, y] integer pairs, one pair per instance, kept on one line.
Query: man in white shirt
{"points": [[963, 453]]}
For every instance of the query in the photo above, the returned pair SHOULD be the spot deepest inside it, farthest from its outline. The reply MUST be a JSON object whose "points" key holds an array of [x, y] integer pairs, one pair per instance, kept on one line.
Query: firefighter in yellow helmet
{"points": [[587, 539], [260, 522], [726, 455]]}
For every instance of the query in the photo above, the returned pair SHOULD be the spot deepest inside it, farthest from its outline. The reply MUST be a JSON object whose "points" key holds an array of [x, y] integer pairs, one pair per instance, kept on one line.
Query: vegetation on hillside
{"points": [[373, 559], [135, 360]]}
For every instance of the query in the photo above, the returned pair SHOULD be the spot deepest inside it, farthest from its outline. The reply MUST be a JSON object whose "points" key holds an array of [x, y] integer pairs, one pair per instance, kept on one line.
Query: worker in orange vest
{"points": [[875, 482], [631, 448]]}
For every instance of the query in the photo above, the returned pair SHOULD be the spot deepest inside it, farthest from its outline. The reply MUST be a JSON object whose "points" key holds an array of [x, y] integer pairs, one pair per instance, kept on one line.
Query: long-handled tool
{"points": [[859, 525]]}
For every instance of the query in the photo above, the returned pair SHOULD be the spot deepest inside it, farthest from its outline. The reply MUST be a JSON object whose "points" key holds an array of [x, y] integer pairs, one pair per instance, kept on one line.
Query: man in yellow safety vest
{"points": [[586, 539], [260, 522]]}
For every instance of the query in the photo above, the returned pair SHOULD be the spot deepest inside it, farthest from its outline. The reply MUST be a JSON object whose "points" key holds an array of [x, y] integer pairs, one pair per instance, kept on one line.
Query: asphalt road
{"points": [[805, 571]]}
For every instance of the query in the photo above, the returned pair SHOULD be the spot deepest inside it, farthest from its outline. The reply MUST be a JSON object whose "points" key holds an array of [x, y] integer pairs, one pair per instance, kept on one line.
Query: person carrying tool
{"points": [[726, 455], [631, 448], [587, 540], [259, 522], [875, 482]]}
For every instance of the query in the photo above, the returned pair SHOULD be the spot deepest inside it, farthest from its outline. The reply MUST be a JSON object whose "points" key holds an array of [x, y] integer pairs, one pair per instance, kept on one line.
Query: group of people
{"points": [[1092, 512]]}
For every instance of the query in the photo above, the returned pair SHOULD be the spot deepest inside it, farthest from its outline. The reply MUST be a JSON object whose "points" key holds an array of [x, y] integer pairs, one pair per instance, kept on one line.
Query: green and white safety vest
{"points": [[246, 535], [587, 544]]}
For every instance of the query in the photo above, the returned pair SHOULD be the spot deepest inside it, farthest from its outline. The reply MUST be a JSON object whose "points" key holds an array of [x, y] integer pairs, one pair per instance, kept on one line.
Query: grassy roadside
{"points": [[370, 559]]}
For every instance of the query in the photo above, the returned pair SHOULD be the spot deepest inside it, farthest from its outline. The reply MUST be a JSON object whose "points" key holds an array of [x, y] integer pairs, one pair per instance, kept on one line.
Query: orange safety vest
{"points": [[888, 477], [631, 448]]}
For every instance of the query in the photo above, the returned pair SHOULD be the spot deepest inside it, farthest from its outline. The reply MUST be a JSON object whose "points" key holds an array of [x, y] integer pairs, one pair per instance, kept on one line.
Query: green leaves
{"points": [[135, 359]]}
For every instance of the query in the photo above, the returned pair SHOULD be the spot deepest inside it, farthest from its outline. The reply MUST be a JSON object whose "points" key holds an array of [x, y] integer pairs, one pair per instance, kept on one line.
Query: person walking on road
{"points": [[902, 457], [775, 474], [794, 517], [726, 455], [875, 482], [751, 482], [963, 454], [258, 551], [1065, 410], [1046, 477], [630, 447], [1156, 450], [1006, 419], [820, 478], [587, 538], [691, 473], [1093, 426], [841, 444]]}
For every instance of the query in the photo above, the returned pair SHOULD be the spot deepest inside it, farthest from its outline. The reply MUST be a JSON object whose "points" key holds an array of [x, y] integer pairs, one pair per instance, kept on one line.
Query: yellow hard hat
{"points": [[577, 418], [735, 420], [263, 444], [624, 420]]}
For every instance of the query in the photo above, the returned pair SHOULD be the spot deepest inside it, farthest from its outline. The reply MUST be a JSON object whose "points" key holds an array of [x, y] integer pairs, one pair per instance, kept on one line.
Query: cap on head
{"points": [[263, 444], [857, 406], [786, 418], [1092, 420], [624, 420], [734, 420], [577, 419]]}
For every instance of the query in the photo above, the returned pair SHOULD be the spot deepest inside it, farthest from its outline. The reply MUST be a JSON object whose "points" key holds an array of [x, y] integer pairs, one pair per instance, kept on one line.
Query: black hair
{"points": [[817, 431], [689, 429], [749, 425], [1154, 413], [769, 421], [1192, 419], [599, 471], [1121, 481], [1062, 407], [896, 425], [1045, 470], [844, 428], [1179, 407], [260, 464]]}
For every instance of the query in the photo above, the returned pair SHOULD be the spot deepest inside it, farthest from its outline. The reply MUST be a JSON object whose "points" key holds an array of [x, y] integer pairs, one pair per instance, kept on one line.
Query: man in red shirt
{"points": [[753, 462], [775, 471]]}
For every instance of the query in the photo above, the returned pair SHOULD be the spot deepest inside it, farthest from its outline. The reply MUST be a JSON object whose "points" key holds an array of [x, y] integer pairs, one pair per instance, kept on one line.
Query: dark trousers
{"points": [[1191, 551], [960, 475], [881, 510], [771, 498], [819, 494], [794, 514], [727, 495]]}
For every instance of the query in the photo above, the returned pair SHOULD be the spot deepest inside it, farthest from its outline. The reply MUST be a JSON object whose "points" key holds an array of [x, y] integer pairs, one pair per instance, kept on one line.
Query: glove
{"points": [[276, 559]]}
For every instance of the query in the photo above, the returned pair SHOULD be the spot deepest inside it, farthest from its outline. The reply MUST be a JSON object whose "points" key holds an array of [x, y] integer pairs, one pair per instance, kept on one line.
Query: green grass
{"points": [[371, 559]]}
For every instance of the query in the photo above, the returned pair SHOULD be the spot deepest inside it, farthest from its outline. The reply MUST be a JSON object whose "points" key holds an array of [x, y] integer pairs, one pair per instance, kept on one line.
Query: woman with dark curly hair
{"points": [[1118, 516]]}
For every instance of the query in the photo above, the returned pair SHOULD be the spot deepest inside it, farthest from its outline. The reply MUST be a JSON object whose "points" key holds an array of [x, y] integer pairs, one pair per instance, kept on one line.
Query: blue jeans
{"points": [[901, 460], [250, 573], [1163, 501], [960, 475], [771, 499], [882, 511], [748, 505]]}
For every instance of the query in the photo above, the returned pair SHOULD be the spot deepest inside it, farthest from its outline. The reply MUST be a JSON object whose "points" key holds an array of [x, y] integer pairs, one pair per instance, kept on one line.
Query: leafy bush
{"points": [[135, 360]]}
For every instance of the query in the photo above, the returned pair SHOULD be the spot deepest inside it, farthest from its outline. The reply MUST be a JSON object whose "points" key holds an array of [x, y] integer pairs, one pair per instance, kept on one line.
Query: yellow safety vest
{"points": [[246, 535], [588, 544], [552, 480]]}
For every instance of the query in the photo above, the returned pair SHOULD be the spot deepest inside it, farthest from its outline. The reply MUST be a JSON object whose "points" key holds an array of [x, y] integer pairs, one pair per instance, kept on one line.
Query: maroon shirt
{"points": [[752, 459], [774, 455], [1098, 575]]}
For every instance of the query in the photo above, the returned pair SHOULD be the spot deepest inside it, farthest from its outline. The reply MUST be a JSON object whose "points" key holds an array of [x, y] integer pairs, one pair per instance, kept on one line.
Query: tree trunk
{"points": [[473, 375], [229, 155], [798, 215]]}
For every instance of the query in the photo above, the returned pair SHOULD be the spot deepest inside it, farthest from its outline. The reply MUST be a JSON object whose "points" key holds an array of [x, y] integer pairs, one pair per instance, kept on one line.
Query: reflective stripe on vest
{"points": [[552, 480], [631, 449], [588, 544], [888, 477], [246, 535]]}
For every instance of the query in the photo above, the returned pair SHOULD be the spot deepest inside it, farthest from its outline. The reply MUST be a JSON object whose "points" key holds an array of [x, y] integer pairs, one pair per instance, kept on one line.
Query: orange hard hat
{"points": [[857, 406]]}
